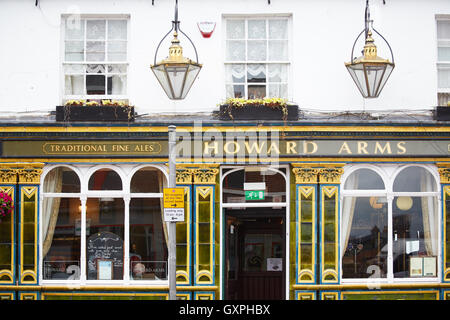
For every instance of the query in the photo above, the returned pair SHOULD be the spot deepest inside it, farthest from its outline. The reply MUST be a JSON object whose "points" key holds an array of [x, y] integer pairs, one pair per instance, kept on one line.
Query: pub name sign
{"points": [[238, 148]]}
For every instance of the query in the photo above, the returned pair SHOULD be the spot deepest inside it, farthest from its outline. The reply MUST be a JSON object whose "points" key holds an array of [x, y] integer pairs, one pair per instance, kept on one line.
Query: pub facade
{"points": [[345, 204]]}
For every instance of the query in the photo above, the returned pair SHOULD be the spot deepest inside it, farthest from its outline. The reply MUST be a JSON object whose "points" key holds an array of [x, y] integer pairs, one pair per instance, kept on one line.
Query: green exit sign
{"points": [[254, 195]]}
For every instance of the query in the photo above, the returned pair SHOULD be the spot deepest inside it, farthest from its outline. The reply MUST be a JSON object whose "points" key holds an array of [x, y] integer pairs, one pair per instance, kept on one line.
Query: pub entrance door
{"points": [[255, 241]]}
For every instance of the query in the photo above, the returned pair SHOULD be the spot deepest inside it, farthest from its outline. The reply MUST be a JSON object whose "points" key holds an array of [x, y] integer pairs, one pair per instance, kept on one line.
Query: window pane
{"points": [[148, 236], [256, 73], [95, 51], [278, 72], [258, 248], [117, 29], [278, 50], [256, 50], [147, 180], [117, 85], [117, 68], [256, 92], [235, 73], [415, 234], [235, 50], [235, 91], [364, 179], [278, 29], [414, 179], [235, 29], [443, 29], [74, 51], [105, 179], [117, 51], [278, 91], [74, 29], [95, 68], [257, 29], [74, 85], [62, 238], [233, 191], [104, 238], [62, 179], [444, 54], [95, 84], [96, 29], [443, 78], [364, 236]]}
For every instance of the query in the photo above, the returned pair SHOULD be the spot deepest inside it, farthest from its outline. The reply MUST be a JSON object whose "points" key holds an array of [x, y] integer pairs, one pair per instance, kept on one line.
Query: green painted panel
{"points": [[390, 296]]}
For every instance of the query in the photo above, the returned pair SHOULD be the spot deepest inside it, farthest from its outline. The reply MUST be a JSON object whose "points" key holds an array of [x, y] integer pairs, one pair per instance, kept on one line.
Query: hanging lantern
{"points": [[176, 74], [370, 72]]}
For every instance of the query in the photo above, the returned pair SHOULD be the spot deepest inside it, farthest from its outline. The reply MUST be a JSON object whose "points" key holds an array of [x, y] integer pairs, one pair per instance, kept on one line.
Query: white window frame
{"points": [[287, 63], [84, 19], [388, 174], [84, 172]]}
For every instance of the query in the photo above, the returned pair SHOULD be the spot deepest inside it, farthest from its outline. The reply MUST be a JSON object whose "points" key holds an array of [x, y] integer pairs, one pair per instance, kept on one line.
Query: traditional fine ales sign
{"points": [[227, 149]]}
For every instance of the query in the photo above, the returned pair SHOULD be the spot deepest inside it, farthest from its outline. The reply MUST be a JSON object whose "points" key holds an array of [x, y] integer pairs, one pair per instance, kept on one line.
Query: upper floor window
{"points": [[95, 59], [257, 57], [390, 224], [443, 63]]}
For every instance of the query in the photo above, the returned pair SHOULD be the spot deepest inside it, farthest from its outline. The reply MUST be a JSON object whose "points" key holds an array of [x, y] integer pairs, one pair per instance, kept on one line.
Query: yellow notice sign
{"points": [[173, 197]]}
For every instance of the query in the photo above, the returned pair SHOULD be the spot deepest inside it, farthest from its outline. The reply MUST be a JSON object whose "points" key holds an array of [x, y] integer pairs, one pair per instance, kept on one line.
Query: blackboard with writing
{"points": [[104, 246]]}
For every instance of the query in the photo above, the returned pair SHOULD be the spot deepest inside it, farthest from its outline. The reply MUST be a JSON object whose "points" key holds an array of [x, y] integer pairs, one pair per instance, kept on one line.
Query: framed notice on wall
{"points": [[104, 269], [429, 267], [422, 267], [416, 267]]}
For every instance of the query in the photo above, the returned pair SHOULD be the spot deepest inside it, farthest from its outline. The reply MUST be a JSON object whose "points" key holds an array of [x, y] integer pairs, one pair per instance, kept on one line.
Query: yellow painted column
{"points": [[206, 226], [28, 189], [184, 229], [8, 180], [329, 182], [444, 173], [303, 227]]}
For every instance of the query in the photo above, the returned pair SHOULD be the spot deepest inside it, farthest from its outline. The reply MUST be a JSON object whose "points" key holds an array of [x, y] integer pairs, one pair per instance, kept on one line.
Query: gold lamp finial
{"points": [[370, 49]]}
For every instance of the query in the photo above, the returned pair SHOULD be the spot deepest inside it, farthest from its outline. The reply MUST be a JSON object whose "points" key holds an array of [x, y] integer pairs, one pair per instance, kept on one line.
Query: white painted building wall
{"points": [[322, 35]]}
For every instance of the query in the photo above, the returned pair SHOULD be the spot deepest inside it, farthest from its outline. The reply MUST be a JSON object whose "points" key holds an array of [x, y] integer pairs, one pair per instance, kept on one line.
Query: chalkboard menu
{"points": [[104, 248]]}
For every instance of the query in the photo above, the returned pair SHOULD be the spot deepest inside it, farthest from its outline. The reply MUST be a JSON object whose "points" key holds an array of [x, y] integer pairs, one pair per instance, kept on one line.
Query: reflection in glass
{"points": [[365, 242], [105, 179], [414, 179], [105, 215], [62, 238], [414, 231], [364, 179], [233, 185], [258, 248], [148, 240], [147, 180]]}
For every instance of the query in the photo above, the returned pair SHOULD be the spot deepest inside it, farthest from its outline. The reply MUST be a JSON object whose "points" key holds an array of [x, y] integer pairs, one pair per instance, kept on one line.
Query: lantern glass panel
{"points": [[357, 73], [176, 74], [192, 73], [386, 75], [374, 74], [160, 73]]}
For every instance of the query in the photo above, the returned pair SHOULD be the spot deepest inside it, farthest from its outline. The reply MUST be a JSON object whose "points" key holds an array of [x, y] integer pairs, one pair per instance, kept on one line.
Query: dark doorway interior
{"points": [[255, 254]]}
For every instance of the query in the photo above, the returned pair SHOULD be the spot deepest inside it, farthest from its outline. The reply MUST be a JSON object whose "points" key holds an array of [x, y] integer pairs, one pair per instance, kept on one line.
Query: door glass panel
{"points": [[260, 252]]}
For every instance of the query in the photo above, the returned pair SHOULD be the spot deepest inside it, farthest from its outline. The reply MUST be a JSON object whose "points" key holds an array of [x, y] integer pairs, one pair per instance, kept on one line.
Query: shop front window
{"points": [[88, 208], [389, 224]]}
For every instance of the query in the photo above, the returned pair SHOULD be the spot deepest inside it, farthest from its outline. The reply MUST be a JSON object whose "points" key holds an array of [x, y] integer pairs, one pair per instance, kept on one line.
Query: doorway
{"points": [[255, 254], [255, 208]]}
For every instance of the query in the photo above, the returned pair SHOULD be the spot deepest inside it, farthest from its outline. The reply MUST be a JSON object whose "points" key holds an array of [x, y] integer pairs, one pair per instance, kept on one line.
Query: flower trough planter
{"points": [[442, 113], [261, 112], [95, 113]]}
